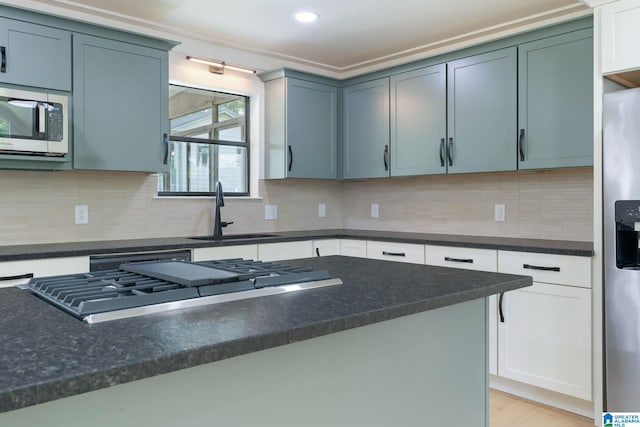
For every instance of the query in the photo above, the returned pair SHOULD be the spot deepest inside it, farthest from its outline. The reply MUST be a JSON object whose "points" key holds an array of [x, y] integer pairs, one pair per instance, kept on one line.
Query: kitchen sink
{"points": [[237, 236]]}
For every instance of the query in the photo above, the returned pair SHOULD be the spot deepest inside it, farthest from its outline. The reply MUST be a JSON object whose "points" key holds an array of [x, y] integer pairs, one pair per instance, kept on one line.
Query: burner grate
{"points": [[104, 291]]}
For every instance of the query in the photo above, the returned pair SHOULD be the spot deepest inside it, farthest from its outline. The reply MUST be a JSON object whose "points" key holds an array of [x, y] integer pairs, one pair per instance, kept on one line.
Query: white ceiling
{"points": [[349, 34]]}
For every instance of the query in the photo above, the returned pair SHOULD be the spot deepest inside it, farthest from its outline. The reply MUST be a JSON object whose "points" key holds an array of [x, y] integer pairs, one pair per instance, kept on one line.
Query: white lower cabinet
{"points": [[285, 250], [354, 248], [545, 337], [19, 272], [226, 252], [401, 252], [326, 247]]}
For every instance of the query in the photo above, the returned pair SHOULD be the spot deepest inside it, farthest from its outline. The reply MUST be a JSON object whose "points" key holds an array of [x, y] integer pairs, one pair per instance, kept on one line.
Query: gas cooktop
{"points": [[141, 288]]}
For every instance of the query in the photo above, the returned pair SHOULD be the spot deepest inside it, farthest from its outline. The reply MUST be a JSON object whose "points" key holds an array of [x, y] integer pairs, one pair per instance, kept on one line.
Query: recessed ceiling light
{"points": [[306, 16]]}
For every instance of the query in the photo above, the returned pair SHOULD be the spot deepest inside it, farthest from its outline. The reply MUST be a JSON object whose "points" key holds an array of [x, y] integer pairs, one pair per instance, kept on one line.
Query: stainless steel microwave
{"points": [[33, 123]]}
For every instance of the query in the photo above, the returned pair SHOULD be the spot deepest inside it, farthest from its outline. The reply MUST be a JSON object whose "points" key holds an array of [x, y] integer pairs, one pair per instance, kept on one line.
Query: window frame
{"points": [[246, 144]]}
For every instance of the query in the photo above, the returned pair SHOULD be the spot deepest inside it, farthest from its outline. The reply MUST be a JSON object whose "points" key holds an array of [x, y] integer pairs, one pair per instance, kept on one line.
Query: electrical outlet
{"points": [[322, 210], [499, 213], [375, 210], [82, 214], [270, 212]]}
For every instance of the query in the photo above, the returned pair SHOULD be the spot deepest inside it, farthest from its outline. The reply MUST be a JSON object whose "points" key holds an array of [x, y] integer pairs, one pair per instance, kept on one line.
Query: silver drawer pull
{"points": [[393, 253], [467, 260], [536, 267], [20, 276]]}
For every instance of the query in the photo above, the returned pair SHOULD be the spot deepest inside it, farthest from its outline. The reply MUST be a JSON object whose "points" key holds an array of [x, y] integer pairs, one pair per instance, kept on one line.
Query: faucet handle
{"points": [[225, 223]]}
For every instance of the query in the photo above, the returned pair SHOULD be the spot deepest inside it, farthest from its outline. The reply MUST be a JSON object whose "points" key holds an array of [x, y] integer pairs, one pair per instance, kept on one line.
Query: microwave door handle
{"points": [[42, 118]]}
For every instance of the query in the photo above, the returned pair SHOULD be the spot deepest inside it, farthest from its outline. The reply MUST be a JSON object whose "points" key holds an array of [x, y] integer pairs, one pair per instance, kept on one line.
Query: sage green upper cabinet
{"points": [[418, 121], [35, 55], [120, 109], [365, 129], [556, 101], [301, 129], [482, 102]]}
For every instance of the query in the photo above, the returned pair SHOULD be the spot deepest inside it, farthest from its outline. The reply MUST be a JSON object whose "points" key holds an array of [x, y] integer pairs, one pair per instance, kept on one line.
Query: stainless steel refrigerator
{"points": [[621, 188]]}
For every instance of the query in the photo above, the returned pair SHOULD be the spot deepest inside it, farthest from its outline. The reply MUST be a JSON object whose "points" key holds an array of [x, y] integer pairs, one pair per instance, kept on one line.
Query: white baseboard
{"points": [[540, 395]]}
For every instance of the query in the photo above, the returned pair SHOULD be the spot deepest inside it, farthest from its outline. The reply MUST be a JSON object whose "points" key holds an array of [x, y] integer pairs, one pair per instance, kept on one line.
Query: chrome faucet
{"points": [[218, 224]]}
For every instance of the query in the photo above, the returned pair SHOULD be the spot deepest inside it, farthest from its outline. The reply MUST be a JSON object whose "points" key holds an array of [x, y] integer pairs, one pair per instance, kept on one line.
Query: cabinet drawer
{"points": [[19, 272], [467, 258], [226, 252], [355, 248], [284, 250], [401, 252], [547, 268]]}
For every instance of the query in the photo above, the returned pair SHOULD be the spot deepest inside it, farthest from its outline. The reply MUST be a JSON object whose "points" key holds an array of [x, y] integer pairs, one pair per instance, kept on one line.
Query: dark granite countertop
{"points": [[53, 250], [47, 354]]}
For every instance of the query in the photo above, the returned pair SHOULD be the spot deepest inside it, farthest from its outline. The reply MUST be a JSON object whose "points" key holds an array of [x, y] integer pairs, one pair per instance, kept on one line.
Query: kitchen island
{"points": [[397, 344]]}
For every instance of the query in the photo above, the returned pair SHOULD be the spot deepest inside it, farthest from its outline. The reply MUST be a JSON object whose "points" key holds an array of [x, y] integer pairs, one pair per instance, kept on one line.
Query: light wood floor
{"points": [[506, 410]]}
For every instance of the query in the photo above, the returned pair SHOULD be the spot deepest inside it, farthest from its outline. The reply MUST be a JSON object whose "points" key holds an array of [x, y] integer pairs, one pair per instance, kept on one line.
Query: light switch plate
{"points": [[499, 213], [322, 210], [270, 212], [82, 214], [375, 210]]}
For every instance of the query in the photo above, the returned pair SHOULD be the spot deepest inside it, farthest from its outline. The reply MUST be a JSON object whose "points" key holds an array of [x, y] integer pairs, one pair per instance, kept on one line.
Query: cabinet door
{"points": [[365, 130], [545, 339], [555, 102], [312, 132], [482, 94], [620, 33], [418, 121], [120, 109], [35, 55], [326, 247]]}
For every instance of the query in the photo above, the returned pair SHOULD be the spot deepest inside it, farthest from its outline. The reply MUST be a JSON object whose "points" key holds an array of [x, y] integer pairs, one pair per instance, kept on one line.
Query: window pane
{"points": [[207, 119], [231, 110], [232, 162], [192, 122], [197, 167], [231, 134], [194, 112]]}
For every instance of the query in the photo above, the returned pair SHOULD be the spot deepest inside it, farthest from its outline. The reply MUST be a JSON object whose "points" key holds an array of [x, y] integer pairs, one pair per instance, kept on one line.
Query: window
{"points": [[208, 143]]}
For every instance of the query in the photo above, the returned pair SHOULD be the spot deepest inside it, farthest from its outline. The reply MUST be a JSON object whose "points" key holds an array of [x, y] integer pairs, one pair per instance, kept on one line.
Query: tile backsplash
{"points": [[38, 207], [539, 205]]}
